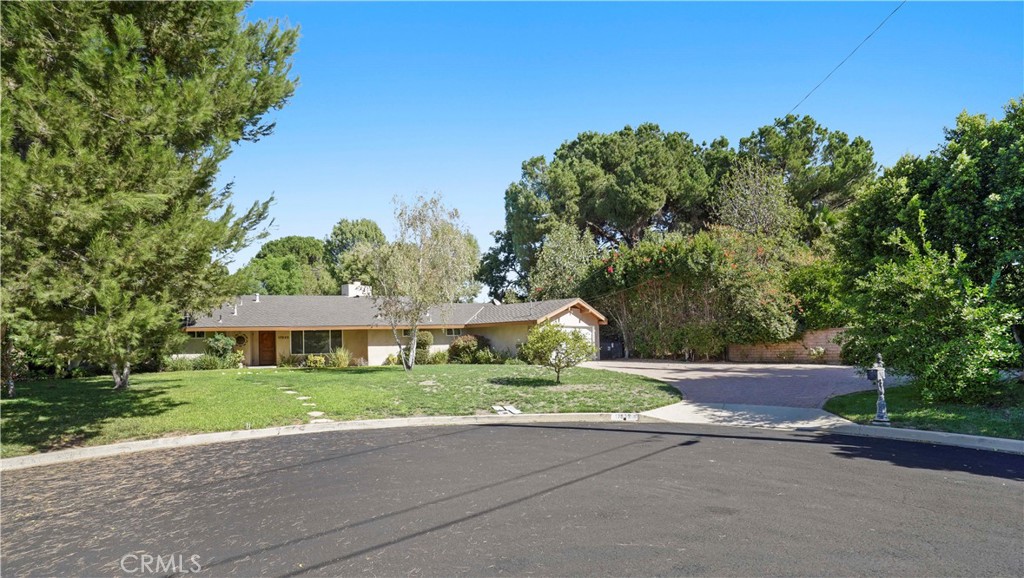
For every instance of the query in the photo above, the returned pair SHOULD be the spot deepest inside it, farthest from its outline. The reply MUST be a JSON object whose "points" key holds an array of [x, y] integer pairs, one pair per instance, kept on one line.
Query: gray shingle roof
{"points": [[283, 311]]}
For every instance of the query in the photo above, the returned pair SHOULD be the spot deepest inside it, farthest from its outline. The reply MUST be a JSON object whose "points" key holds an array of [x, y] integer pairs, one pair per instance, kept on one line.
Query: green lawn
{"points": [[48, 415], [907, 409]]}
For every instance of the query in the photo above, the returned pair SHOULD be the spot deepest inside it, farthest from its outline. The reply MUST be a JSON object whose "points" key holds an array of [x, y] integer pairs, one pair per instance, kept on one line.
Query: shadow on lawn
{"points": [[56, 414], [520, 381]]}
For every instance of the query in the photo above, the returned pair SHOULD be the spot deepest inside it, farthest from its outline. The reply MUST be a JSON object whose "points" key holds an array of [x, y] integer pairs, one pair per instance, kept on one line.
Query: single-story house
{"points": [[266, 327]]}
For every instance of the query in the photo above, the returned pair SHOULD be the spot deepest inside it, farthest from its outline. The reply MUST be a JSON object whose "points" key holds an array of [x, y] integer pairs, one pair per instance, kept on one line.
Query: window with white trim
{"points": [[319, 341]]}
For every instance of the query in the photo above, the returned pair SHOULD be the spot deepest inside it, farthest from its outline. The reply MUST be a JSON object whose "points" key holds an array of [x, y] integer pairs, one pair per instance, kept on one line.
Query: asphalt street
{"points": [[541, 500]]}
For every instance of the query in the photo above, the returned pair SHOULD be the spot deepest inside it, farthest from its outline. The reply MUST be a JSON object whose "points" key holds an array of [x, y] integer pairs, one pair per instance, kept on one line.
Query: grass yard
{"points": [[907, 409], [57, 414]]}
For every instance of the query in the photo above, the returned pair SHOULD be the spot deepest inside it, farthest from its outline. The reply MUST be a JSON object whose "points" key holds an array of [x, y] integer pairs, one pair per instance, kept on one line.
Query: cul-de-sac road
{"points": [[540, 500]]}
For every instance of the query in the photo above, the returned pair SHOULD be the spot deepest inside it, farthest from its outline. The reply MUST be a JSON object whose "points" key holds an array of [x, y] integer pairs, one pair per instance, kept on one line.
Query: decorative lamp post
{"points": [[876, 374]]}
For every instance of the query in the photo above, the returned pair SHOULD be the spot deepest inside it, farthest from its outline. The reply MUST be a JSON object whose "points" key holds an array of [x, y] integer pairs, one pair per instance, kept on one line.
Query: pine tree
{"points": [[115, 117]]}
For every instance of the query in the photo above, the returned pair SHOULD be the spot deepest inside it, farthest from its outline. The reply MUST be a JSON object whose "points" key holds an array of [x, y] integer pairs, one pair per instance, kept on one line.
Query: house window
{"points": [[453, 332], [197, 334], [407, 333], [322, 341]]}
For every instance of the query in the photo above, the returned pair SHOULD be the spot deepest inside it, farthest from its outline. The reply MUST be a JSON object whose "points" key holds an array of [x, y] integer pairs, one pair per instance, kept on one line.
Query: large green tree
{"points": [[115, 117], [345, 264], [621, 186], [822, 167], [293, 265], [565, 261], [969, 193]]}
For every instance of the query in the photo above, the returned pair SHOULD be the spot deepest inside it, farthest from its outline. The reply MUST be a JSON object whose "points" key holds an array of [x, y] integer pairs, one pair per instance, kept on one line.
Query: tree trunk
{"points": [[1018, 335], [121, 376], [409, 357], [7, 361]]}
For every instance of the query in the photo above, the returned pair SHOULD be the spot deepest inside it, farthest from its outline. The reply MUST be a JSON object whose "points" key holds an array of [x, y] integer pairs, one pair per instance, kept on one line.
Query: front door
{"points": [[268, 348]]}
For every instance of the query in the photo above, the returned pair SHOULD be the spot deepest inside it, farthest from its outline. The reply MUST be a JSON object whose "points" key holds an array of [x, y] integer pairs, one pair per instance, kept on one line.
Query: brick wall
{"points": [[789, 351]]}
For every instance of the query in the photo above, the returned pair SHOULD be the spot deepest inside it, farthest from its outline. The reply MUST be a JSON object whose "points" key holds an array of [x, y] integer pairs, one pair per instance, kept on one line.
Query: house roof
{"points": [[336, 311]]}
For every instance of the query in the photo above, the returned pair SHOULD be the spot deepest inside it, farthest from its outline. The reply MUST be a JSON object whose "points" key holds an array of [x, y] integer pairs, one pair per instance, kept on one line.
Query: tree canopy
{"points": [[115, 117], [620, 187], [969, 193], [345, 264], [292, 265]]}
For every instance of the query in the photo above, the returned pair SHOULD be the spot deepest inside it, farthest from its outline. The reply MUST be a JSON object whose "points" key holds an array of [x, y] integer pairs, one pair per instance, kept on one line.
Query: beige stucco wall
{"points": [[582, 321], [283, 341], [250, 347], [355, 342], [380, 343], [505, 339]]}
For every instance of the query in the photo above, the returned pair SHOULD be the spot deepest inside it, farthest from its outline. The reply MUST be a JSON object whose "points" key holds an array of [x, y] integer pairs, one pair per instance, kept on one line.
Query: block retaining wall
{"points": [[789, 351]]}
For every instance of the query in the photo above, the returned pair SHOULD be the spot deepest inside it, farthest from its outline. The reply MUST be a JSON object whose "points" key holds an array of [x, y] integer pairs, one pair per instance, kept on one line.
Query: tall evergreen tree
{"points": [[115, 117]]}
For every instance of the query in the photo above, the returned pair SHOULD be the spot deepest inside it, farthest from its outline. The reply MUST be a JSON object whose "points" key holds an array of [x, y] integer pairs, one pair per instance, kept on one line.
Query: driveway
{"points": [[785, 385], [530, 500]]}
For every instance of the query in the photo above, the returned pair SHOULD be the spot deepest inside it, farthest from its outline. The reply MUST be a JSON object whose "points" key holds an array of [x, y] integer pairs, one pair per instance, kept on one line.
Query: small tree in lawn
{"points": [[428, 266], [552, 346]]}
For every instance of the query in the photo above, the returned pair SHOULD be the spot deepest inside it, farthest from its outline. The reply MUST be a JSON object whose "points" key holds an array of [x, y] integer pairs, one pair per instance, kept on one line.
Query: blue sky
{"points": [[416, 98]]}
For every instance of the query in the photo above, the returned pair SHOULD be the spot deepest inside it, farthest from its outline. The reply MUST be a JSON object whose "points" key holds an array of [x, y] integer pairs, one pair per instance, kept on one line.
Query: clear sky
{"points": [[415, 98]]}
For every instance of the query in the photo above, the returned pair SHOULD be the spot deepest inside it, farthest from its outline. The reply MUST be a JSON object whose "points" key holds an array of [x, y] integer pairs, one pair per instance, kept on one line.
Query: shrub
{"points": [[462, 348], [316, 361], [551, 346], [235, 359], [204, 362], [484, 356], [219, 345], [391, 359], [515, 361], [178, 364], [929, 321], [424, 339], [439, 358], [819, 290], [817, 354], [289, 360], [339, 358]]}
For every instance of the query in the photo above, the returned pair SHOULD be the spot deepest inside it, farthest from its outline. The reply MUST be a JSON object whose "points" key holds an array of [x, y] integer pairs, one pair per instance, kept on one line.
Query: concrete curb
{"points": [[931, 437], [76, 454]]}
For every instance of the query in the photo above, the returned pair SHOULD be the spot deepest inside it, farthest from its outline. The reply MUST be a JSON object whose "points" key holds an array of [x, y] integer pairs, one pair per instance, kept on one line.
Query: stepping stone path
{"points": [[291, 392], [309, 404], [304, 397], [315, 413], [321, 420]]}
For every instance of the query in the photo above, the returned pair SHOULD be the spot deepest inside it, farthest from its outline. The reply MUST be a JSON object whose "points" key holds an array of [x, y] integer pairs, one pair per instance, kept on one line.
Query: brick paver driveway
{"points": [[748, 383]]}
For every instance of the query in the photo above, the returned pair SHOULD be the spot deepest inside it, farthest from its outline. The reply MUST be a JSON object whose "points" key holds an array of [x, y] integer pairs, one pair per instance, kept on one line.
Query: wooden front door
{"points": [[268, 348]]}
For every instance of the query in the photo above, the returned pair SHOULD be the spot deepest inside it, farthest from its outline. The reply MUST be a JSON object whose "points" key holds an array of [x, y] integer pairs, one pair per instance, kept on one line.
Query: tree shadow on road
{"points": [[899, 453]]}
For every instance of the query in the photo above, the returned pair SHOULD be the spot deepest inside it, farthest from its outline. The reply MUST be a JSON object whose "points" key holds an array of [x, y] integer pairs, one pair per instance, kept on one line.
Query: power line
{"points": [[829, 75]]}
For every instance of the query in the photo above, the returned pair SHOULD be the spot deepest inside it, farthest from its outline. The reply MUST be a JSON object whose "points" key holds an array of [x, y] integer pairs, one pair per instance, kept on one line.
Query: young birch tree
{"points": [[428, 266]]}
